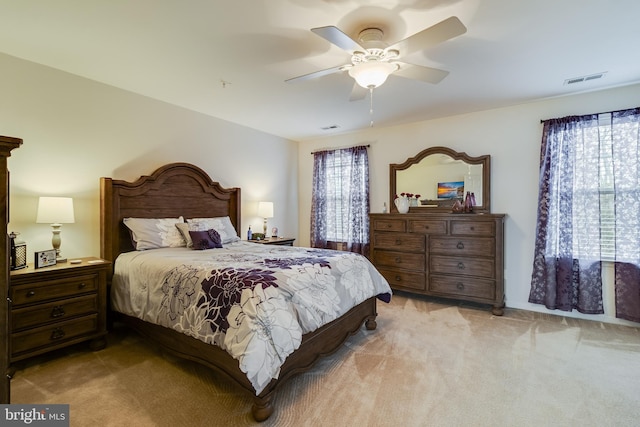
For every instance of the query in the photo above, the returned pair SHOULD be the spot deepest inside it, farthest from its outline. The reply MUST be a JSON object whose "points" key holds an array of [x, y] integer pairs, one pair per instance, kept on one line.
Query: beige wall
{"points": [[76, 130], [510, 135]]}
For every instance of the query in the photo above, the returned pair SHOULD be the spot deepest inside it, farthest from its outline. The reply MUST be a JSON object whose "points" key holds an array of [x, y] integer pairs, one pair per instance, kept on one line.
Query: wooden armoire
{"points": [[7, 144]]}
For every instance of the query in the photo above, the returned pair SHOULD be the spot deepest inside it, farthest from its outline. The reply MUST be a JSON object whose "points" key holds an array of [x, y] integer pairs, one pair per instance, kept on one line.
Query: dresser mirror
{"points": [[440, 176]]}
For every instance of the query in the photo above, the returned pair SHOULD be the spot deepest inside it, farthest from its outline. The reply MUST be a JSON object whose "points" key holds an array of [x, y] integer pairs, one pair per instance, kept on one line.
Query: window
{"points": [[340, 199], [589, 212]]}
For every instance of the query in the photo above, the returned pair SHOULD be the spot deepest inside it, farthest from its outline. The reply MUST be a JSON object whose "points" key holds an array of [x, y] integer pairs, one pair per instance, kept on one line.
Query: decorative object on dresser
{"points": [[428, 170], [282, 241], [44, 258], [55, 211], [451, 256], [57, 306], [18, 255], [7, 144]]}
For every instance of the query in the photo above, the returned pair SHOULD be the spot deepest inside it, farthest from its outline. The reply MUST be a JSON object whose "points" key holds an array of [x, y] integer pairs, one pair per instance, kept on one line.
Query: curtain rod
{"points": [[339, 148], [594, 114]]}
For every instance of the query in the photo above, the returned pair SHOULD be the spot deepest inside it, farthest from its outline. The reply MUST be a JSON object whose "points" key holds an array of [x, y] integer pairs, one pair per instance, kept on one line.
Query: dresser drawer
{"points": [[53, 334], [407, 261], [460, 286], [399, 241], [428, 226], [53, 289], [42, 314], [404, 279], [463, 246], [397, 225], [462, 266], [473, 228]]}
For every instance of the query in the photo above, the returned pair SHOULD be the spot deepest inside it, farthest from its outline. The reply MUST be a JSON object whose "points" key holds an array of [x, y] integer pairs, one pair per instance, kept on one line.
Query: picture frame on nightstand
{"points": [[44, 258]]}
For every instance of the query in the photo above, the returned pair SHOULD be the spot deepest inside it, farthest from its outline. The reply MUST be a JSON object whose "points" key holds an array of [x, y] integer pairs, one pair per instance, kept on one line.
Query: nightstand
{"points": [[57, 306], [283, 241]]}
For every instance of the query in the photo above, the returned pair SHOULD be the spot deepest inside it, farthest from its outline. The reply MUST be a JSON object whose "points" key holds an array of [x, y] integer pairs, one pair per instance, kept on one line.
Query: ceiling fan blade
{"points": [[337, 37], [419, 72], [316, 74], [358, 93], [436, 34]]}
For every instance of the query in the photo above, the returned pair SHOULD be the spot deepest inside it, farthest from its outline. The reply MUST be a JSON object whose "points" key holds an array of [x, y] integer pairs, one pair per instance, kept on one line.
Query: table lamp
{"points": [[265, 210], [55, 211]]}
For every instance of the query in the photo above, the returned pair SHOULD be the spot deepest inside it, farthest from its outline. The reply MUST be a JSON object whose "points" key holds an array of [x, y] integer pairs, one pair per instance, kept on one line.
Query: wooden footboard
{"points": [[321, 342]]}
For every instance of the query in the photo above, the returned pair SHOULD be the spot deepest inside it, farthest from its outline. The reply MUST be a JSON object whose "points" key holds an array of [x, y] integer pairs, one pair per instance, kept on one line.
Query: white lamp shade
{"points": [[55, 210], [265, 209], [372, 74]]}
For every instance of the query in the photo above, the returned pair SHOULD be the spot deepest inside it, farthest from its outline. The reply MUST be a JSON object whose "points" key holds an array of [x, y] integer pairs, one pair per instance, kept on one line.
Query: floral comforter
{"points": [[255, 301]]}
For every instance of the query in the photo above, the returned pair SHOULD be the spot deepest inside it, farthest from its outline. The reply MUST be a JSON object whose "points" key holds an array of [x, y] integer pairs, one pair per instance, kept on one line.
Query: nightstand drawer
{"points": [[53, 312], [51, 335], [53, 289]]}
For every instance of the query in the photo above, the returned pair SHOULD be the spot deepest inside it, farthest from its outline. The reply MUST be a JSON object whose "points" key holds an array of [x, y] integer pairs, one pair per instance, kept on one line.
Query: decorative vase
{"points": [[468, 207], [402, 204]]}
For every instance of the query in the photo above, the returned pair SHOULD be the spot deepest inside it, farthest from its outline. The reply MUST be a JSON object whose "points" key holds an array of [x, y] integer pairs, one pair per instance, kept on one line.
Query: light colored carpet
{"points": [[429, 363]]}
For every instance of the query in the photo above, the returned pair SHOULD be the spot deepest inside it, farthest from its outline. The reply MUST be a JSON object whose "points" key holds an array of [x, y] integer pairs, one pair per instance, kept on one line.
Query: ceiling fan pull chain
{"points": [[371, 105]]}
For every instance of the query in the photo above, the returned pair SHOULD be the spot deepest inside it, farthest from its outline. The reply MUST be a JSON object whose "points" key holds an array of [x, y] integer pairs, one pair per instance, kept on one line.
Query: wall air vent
{"points": [[584, 78]]}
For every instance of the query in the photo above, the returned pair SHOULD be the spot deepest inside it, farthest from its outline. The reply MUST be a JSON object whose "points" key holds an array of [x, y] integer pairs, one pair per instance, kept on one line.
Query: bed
{"points": [[182, 190]]}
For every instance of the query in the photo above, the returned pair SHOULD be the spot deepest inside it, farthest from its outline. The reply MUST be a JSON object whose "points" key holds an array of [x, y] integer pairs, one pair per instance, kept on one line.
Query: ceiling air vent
{"points": [[330, 127], [584, 78]]}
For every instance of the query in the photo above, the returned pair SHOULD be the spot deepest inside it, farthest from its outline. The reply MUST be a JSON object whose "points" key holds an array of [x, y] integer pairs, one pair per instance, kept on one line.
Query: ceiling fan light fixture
{"points": [[372, 74]]}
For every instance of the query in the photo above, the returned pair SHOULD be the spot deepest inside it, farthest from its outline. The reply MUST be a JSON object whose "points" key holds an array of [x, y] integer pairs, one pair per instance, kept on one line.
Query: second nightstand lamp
{"points": [[265, 210], [55, 211]]}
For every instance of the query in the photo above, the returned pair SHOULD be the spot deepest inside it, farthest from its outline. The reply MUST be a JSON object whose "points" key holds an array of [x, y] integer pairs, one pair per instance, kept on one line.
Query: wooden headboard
{"points": [[172, 190]]}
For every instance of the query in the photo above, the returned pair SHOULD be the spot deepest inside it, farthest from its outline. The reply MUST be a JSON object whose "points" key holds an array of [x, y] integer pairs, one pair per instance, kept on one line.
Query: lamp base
{"points": [[60, 260]]}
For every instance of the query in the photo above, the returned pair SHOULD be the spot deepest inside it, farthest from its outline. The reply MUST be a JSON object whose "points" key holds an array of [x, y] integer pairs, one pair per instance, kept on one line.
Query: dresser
{"points": [[457, 256], [57, 306]]}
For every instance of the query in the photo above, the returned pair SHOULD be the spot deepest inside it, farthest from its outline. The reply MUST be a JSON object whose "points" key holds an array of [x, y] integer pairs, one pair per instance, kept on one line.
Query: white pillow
{"points": [[221, 224], [153, 233]]}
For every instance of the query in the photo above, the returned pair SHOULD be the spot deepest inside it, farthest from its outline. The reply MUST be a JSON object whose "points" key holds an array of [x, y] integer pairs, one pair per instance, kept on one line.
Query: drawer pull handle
{"points": [[398, 279], [460, 245], [461, 266], [31, 293], [57, 333], [82, 285], [460, 286], [398, 242], [57, 311], [398, 260]]}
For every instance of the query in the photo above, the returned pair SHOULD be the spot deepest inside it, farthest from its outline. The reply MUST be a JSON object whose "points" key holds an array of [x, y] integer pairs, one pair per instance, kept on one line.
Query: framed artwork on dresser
{"points": [[45, 258]]}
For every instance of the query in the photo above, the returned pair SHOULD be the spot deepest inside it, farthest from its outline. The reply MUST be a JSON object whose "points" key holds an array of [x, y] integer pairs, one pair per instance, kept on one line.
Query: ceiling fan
{"points": [[372, 61]]}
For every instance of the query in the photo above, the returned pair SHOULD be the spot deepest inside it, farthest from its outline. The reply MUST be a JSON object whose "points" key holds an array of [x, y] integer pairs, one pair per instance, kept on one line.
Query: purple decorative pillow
{"points": [[205, 239]]}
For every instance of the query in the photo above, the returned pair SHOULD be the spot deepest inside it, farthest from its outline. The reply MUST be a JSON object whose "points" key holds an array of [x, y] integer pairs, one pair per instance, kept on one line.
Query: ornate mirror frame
{"points": [[484, 161]]}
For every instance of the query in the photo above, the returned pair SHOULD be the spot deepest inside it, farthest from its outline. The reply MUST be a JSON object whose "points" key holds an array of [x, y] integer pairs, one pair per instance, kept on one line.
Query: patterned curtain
{"points": [[588, 211], [340, 199]]}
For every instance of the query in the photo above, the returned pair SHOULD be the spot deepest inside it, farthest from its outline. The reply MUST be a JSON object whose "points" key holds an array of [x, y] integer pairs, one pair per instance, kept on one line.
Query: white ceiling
{"points": [[181, 52]]}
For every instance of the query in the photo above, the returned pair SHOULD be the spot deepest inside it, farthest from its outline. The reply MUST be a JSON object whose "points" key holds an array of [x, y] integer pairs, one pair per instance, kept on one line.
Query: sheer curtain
{"points": [[340, 199], [589, 213]]}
